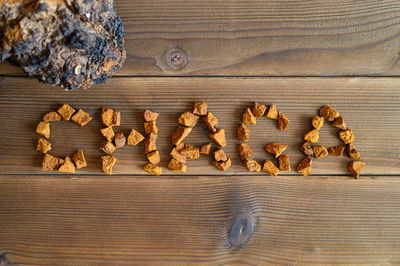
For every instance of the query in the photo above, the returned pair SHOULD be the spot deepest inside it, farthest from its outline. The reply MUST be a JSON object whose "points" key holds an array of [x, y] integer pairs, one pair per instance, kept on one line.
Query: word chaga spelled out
{"points": [[182, 152]]}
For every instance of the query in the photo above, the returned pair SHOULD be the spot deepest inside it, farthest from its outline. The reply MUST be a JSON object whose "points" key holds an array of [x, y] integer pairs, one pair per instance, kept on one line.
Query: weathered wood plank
{"points": [[255, 37], [370, 106]]}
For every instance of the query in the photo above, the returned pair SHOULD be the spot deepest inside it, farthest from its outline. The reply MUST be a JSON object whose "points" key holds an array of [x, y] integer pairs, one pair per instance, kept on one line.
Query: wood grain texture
{"points": [[180, 221], [256, 37], [370, 106]]}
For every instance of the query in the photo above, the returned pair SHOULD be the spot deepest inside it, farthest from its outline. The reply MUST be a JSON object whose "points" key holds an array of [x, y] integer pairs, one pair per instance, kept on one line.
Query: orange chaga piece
{"points": [[248, 117], [244, 151], [243, 133], [200, 108], [328, 113], [180, 134], [190, 152], [51, 117], [276, 148], [355, 168], [119, 140], [352, 151], [177, 155], [219, 155], [51, 163], [312, 136], [304, 167], [251, 165], [81, 118], [135, 138], [153, 157], [150, 127], [211, 122], [66, 111], [218, 137], [272, 113], [177, 166], [282, 121], [108, 133], [346, 135], [43, 128], [317, 122], [43, 146], [339, 123], [284, 163], [79, 159], [259, 110], [110, 117], [307, 149], [152, 169], [336, 150], [68, 166], [223, 166], [319, 151], [108, 162], [188, 119], [150, 143], [205, 148], [270, 168], [107, 147], [150, 116]]}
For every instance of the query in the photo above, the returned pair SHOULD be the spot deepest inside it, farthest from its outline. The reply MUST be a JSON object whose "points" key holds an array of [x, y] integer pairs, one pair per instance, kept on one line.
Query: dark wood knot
{"points": [[176, 58], [241, 229], [4, 261]]}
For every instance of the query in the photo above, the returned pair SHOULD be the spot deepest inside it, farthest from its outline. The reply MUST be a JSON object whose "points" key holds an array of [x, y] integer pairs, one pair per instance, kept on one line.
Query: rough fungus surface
{"points": [[73, 44]]}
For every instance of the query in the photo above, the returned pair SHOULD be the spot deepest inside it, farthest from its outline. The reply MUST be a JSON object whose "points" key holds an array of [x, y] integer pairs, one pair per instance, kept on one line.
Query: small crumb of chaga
{"points": [[346, 135], [339, 123], [248, 118], [150, 116], [218, 137], [282, 121], [276, 148], [205, 148], [188, 119], [211, 122], [108, 162], [81, 117], [319, 151], [107, 147], [243, 133], [177, 166], [43, 146], [190, 152], [119, 140], [108, 133], [79, 159], [152, 169], [68, 166], [328, 113], [150, 127], [304, 167], [352, 151], [307, 149], [317, 122], [355, 168], [153, 157], [259, 110], [219, 155], [336, 150], [135, 138], [244, 151], [251, 165], [312, 136], [110, 117], [270, 168], [272, 113], [51, 117], [180, 134], [223, 165], [51, 163], [284, 163], [43, 129], [177, 155], [66, 111], [200, 108], [150, 143]]}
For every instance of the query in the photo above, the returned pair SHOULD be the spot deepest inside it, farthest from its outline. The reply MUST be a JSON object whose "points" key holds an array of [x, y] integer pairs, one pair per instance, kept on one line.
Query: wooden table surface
{"points": [[299, 55]]}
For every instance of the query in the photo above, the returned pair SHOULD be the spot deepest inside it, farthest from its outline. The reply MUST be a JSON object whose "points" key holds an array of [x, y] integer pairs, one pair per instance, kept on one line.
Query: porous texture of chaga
{"points": [[43, 128], [259, 110], [282, 121], [328, 113], [150, 143], [153, 157], [312, 136], [108, 163], [317, 122], [108, 133], [284, 162], [339, 123], [177, 166], [251, 165], [110, 117], [219, 155], [319, 151], [51, 117], [223, 166], [81, 117], [270, 168], [304, 167], [307, 149], [272, 113], [107, 147], [68, 166], [244, 151], [150, 127], [211, 122], [205, 148], [355, 168], [135, 138], [276, 148], [218, 137], [188, 119], [73, 44], [66, 111], [248, 117], [180, 134], [200, 108], [243, 133], [190, 152], [150, 116], [152, 169], [175, 154], [352, 151], [346, 135], [119, 140], [43, 146], [51, 163], [79, 159], [336, 150]]}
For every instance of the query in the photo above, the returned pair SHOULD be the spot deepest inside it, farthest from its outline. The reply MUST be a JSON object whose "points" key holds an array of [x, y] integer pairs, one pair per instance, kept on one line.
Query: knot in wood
{"points": [[241, 229], [176, 58]]}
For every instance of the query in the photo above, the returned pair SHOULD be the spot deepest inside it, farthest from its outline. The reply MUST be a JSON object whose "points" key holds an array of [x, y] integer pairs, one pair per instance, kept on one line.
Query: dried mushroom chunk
{"points": [[43, 129], [68, 166], [150, 143], [150, 127], [177, 166], [51, 117], [336, 150], [219, 155], [244, 151], [107, 147], [339, 123], [200, 108], [259, 110], [119, 140], [304, 167], [248, 118], [251, 165], [319, 151], [108, 133], [180, 134], [135, 138], [177, 155], [190, 152], [282, 121], [218, 137], [276, 148], [211, 122], [43, 146], [81, 117], [150, 116], [272, 113], [51, 163], [79, 159], [284, 162], [223, 166], [328, 113], [205, 148], [243, 133], [66, 111], [352, 151], [153, 157], [307, 149], [270, 168], [312, 136], [108, 162], [355, 168], [317, 122], [346, 135], [152, 169], [110, 117], [188, 119]]}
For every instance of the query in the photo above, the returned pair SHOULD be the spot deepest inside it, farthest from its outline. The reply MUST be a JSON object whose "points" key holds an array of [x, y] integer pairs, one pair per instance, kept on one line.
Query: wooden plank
{"points": [[180, 221], [370, 106], [255, 37]]}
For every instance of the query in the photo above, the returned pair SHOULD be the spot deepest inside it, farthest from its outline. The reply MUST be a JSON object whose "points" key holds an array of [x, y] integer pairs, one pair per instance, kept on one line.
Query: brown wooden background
{"points": [[299, 55]]}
